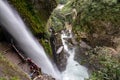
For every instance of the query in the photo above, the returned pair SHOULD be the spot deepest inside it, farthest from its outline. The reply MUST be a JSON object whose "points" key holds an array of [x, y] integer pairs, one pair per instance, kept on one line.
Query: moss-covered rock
{"points": [[35, 13], [9, 71]]}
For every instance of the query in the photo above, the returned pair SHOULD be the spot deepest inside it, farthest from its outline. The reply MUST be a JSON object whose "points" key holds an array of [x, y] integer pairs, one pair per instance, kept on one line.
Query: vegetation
{"points": [[105, 64], [98, 22], [47, 46], [58, 17], [35, 14], [35, 20], [89, 14], [57, 21], [96, 11], [10, 71], [101, 17]]}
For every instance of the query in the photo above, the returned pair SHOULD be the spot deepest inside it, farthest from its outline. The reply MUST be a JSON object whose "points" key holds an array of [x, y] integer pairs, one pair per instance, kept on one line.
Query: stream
{"points": [[73, 71], [31, 47], [14, 25]]}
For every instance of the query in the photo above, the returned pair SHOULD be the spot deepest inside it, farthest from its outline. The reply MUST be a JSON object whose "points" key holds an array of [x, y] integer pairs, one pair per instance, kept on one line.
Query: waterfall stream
{"points": [[73, 71], [11, 21]]}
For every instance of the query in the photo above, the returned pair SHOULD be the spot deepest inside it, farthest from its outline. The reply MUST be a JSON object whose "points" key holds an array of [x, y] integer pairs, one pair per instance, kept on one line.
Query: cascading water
{"points": [[73, 71], [11, 21]]}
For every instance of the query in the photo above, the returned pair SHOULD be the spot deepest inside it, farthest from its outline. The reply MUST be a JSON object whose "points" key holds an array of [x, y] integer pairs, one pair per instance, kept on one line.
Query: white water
{"points": [[60, 6], [73, 71], [31, 47]]}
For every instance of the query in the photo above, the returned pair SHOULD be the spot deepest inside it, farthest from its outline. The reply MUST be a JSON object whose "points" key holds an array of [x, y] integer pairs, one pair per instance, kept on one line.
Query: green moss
{"points": [[15, 78], [10, 71], [12, 78], [57, 23], [59, 17], [67, 9], [2, 78], [35, 20], [47, 46]]}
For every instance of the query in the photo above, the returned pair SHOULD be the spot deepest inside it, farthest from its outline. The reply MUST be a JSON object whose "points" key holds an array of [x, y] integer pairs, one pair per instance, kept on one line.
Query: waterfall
{"points": [[73, 71], [11, 21]]}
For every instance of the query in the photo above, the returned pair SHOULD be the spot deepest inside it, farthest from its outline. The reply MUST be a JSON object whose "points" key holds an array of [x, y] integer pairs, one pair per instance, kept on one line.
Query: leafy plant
{"points": [[105, 65]]}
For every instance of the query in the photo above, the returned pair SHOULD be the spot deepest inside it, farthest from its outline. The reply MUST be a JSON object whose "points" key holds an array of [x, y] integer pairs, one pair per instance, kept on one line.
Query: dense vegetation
{"points": [[105, 64], [98, 24]]}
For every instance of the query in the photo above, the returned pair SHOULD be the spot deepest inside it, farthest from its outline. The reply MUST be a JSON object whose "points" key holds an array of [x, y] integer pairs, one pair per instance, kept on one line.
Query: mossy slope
{"points": [[9, 71]]}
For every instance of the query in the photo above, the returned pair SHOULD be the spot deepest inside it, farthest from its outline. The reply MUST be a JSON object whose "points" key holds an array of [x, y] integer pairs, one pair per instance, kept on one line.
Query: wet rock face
{"points": [[45, 6], [61, 59], [1, 35]]}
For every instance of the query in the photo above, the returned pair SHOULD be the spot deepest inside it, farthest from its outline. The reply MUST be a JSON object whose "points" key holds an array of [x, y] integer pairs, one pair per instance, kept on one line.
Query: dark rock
{"points": [[44, 6]]}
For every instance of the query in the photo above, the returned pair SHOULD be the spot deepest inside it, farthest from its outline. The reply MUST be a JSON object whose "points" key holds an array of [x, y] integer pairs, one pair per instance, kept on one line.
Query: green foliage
{"points": [[12, 78], [35, 20], [56, 20], [93, 16], [47, 46], [96, 10], [59, 17], [67, 8], [15, 78], [106, 66], [2, 78], [57, 23]]}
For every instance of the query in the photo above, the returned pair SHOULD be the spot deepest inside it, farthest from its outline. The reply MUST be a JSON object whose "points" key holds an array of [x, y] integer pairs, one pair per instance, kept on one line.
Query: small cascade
{"points": [[73, 71], [11, 21]]}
